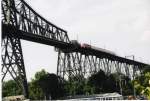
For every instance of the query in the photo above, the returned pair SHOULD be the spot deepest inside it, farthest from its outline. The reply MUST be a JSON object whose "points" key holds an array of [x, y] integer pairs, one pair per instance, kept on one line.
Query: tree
{"points": [[142, 83], [52, 86], [127, 86], [97, 81], [46, 85], [101, 83], [10, 88], [112, 83], [88, 89], [35, 91], [79, 90], [117, 82], [75, 85]]}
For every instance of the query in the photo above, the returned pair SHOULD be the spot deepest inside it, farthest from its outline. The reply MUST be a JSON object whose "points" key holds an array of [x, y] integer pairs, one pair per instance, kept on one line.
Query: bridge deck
{"points": [[66, 46]]}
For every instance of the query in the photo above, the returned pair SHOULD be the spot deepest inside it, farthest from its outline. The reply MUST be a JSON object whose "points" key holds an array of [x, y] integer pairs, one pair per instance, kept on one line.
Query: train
{"points": [[84, 45]]}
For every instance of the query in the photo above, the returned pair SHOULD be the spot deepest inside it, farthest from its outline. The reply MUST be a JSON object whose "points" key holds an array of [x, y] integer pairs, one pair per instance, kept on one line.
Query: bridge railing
{"points": [[19, 14]]}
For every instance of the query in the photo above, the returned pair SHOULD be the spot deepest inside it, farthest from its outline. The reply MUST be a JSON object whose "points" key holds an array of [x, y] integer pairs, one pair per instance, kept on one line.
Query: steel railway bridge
{"points": [[20, 21]]}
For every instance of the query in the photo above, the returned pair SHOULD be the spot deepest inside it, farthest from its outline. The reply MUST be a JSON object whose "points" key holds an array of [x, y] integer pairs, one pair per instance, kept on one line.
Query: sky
{"points": [[122, 26]]}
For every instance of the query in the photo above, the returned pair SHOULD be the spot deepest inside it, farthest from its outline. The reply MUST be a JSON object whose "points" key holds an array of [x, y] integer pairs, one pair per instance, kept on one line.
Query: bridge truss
{"points": [[78, 64], [20, 21]]}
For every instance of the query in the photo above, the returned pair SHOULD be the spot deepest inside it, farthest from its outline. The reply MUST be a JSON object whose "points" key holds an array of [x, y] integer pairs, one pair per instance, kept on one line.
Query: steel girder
{"points": [[77, 64]]}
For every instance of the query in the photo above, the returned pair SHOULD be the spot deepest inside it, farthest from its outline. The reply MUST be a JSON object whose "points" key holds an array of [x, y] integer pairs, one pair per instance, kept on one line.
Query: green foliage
{"points": [[75, 85], [40, 74], [88, 89], [142, 83], [97, 81], [46, 85], [35, 91], [112, 83], [10, 88], [102, 83], [52, 85]]}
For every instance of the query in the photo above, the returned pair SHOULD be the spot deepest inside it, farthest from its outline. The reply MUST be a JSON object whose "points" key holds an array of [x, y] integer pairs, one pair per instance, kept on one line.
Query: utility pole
{"points": [[77, 38], [133, 76], [120, 80]]}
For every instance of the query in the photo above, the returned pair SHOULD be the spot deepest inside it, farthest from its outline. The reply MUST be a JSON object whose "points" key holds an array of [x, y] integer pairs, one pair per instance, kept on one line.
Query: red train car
{"points": [[84, 45]]}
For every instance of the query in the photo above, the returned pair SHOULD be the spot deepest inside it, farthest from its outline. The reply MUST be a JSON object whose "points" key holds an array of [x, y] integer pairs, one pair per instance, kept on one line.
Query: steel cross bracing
{"points": [[82, 65], [85, 61], [20, 15], [20, 21], [12, 62]]}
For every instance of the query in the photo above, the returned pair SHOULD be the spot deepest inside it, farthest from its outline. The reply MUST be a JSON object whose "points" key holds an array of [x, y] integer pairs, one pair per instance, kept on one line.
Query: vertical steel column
{"points": [[61, 64], [12, 62]]}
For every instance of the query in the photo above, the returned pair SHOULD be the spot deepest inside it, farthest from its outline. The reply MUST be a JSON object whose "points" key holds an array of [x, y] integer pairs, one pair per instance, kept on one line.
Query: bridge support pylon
{"points": [[12, 62], [68, 65]]}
